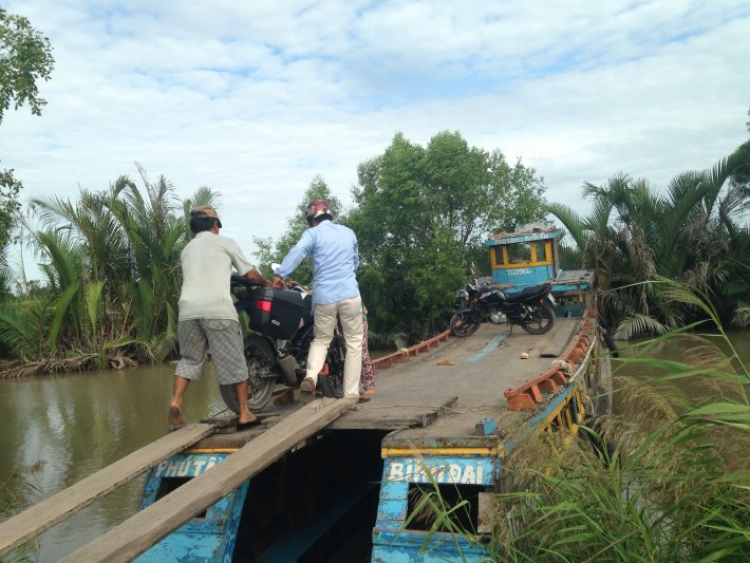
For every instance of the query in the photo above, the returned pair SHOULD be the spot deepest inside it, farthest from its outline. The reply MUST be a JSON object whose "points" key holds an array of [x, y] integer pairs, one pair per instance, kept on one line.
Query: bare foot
{"points": [[250, 418], [176, 418]]}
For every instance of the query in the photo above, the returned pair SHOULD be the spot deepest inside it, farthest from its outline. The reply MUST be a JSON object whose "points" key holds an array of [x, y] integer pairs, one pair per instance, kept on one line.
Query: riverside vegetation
{"points": [[111, 258]]}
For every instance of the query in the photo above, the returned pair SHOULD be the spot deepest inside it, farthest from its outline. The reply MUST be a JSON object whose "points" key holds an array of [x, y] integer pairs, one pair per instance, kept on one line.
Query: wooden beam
{"points": [[139, 532], [42, 516]]}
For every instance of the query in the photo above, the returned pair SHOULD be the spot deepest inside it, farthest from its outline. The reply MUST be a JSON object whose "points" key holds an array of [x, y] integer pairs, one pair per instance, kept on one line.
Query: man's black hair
{"points": [[200, 223]]}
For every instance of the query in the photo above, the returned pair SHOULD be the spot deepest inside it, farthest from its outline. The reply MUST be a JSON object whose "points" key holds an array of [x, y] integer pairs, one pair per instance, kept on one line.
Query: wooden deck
{"points": [[459, 382]]}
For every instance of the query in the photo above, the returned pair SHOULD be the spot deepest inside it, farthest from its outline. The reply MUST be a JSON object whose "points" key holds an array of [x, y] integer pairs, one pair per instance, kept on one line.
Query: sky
{"points": [[255, 99]]}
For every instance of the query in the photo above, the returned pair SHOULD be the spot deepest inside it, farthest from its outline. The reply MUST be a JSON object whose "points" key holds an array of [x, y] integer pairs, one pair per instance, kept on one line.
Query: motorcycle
{"points": [[281, 331], [531, 309]]}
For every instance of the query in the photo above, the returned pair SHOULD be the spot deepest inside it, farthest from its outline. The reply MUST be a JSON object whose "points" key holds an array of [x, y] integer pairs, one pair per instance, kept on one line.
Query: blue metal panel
{"points": [[521, 277], [485, 426], [393, 502], [396, 546], [392, 542], [209, 538], [567, 288], [465, 470]]}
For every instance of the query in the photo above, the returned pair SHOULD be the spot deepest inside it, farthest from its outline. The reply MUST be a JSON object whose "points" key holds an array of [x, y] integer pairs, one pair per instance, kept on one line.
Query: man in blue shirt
{"points": [[335, 258]]}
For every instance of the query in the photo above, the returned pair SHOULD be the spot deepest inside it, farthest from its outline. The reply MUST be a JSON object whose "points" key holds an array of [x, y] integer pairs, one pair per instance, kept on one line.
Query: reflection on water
{"points": [[79, 423], [680, 349]]}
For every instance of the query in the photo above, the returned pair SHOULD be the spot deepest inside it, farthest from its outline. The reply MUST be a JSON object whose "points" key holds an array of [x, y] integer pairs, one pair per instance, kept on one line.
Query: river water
{"points": [[79, 423]]}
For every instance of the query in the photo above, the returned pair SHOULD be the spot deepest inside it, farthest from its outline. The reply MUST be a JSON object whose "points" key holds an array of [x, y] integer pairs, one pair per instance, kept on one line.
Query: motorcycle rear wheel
{"points": [[464, 324], [540, 320], [260, 364]]}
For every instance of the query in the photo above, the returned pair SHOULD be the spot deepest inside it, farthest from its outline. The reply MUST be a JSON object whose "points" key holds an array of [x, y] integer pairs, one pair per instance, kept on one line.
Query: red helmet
{"points": [[317, 209]]}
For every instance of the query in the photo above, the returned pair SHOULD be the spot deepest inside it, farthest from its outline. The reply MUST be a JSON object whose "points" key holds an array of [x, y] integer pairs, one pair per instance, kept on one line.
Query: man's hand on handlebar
{"points": [[254, 276], [279, 282]]}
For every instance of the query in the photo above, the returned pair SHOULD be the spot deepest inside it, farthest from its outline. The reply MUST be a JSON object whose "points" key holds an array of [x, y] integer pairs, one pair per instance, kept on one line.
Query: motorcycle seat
{"points": [[528, 293]]}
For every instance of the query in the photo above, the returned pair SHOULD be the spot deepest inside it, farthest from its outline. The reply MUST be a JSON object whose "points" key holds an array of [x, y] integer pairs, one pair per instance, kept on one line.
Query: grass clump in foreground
{"points": [[673, 483]]}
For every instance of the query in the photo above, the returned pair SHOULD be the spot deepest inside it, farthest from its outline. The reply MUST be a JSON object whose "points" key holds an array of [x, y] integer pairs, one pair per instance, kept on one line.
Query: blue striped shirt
{"points": [[335, 258]]}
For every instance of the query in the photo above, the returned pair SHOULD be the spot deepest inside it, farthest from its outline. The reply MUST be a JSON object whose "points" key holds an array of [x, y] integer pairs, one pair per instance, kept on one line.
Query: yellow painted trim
{"points": [[445, 452], [503, 254], [210, 450], [521, 265], [505, 265], [554, 414], [568, 418]]}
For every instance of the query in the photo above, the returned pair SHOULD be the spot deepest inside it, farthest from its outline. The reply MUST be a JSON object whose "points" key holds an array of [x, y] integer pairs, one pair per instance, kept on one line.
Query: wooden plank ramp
{"points": [[142, 530], [560, 340], [35, 520]]}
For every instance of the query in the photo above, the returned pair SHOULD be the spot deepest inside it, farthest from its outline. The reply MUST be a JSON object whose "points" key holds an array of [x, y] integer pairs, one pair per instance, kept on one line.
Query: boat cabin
{"points": [[530, 257]]}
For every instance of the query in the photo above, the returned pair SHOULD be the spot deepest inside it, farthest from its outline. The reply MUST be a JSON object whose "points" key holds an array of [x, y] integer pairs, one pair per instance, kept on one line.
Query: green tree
{"points": [[422, 216], [25, 60]]}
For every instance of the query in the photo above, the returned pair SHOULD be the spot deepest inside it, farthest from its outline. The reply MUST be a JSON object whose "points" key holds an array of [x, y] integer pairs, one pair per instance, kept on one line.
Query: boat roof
{"points": [[527, 233]]}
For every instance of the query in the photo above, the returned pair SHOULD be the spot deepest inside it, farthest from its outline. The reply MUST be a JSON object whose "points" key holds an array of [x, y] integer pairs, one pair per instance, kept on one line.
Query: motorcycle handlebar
{"points": [[240, 281]]}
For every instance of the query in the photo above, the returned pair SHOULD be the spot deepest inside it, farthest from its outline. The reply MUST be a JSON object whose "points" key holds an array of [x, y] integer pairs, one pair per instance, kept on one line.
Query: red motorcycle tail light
{"points": [[264, 306]]}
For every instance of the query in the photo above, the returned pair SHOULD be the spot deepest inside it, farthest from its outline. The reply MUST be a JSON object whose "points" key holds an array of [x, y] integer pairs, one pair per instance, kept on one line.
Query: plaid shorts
{"points": [[224, 338]]}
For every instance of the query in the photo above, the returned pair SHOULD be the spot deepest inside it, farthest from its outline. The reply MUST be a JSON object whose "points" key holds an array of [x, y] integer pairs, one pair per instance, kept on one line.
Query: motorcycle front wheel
{"points": [[464, 324], [261, 364], [540, 319]]}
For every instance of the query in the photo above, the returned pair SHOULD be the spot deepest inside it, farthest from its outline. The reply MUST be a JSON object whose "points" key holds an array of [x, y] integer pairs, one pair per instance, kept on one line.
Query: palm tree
{"points": [[111, 259], [635, 234]]}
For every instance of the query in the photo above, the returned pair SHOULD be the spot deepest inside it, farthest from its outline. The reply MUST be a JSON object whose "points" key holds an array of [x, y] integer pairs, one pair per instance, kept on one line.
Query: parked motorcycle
{"points": [[531, 308], [276, 347]]}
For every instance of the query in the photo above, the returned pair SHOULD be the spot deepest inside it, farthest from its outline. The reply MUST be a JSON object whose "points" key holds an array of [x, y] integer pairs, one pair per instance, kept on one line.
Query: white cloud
{"points": [[256, 98]]}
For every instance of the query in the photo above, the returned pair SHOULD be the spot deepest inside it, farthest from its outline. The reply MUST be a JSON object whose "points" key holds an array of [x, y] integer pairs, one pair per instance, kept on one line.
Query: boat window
{"points": [[498, 253], [519, 253], [541, 251], [427, 501]]}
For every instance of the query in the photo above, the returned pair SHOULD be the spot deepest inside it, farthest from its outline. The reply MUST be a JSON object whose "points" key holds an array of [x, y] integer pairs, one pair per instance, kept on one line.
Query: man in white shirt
{"points": [[207, 317]]}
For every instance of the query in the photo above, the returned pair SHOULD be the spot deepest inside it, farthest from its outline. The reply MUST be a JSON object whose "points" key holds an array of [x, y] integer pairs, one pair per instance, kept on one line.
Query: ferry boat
{"points": [[445, 417]]}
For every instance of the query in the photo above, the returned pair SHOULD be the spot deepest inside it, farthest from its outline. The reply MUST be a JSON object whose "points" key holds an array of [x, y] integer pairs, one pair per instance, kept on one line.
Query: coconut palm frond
{"points": [[61, 310], [741, 318], [639, 325], [93, 301], [570, 220], [18, 331], [79, 362]]}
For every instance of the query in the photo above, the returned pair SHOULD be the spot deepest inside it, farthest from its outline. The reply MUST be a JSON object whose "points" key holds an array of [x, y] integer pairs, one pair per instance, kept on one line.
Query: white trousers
{"points": [[349, 311]]}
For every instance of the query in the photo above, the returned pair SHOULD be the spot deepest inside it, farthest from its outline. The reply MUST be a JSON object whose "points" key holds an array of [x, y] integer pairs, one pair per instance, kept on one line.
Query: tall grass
{"points": [[674, 483]]}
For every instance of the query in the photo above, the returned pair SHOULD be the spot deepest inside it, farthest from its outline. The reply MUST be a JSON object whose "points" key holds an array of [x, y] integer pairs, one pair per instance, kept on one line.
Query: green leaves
{"points": [[25, 59], [423, 215]]}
